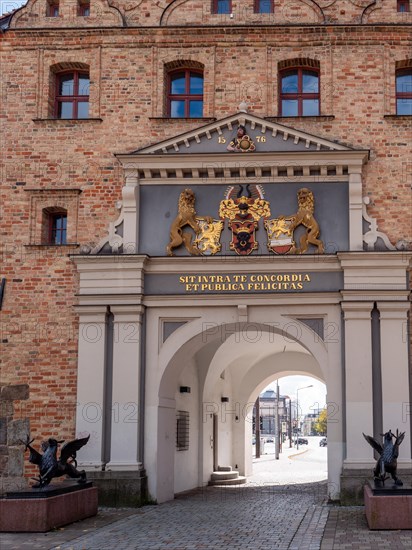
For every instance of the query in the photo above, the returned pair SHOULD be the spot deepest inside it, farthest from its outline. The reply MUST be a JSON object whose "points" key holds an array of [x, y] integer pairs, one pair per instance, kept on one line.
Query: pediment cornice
{"points": [[278, 137]]}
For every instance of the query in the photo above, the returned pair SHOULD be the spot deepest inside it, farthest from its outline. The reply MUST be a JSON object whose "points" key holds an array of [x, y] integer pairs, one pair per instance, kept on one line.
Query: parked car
{"points": [[323, 442], [270, 440]]}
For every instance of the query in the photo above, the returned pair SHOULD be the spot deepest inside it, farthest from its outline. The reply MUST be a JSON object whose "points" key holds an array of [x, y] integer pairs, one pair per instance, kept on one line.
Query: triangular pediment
{"points": [[266, 137]]}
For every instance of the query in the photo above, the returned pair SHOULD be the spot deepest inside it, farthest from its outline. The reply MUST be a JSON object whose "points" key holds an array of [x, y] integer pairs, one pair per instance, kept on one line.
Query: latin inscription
{"points": [[244, 282]]}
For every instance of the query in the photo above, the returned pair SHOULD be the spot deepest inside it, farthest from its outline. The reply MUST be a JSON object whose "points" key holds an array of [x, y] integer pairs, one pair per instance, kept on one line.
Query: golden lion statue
{"points": [[304, 216], [186, 216]]}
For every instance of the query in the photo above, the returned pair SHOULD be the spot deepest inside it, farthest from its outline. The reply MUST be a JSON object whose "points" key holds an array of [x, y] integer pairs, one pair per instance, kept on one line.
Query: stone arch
{"points": [[195, 336], [216, 335]]}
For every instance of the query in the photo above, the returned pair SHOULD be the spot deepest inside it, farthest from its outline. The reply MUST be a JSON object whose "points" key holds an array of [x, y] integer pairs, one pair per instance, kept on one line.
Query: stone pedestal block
{"points": [[48, 508], [388, 508]]}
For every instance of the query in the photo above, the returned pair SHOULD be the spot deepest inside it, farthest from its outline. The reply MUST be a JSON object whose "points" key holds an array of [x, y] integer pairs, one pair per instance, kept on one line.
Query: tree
{"points": [[321, 424]]}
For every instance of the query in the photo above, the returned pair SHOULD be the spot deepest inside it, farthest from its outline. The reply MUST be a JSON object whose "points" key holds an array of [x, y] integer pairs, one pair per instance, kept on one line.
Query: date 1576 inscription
{"points": [[245, 282]]}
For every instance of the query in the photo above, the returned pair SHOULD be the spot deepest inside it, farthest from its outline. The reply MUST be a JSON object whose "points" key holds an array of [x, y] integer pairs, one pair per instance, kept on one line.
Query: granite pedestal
{"points": [[388, 507], [40, 510]]}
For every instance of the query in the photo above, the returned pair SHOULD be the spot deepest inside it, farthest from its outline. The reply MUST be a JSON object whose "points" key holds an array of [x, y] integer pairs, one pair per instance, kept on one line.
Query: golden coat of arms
{"points": [[280, 230], [243, 209], [280, 235], [207, 230]]}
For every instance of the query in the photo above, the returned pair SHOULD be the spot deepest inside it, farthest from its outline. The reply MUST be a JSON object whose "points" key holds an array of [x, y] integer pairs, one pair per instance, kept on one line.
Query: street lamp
{"points": [[297, 413]]}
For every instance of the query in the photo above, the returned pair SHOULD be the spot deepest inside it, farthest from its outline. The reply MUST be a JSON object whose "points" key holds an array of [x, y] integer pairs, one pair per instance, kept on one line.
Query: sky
{"points": [[310, 399], [10, 5]]}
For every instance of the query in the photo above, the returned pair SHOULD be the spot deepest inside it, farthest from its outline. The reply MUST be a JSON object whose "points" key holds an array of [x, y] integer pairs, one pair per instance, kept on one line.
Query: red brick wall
{"points": [[76, 158]]}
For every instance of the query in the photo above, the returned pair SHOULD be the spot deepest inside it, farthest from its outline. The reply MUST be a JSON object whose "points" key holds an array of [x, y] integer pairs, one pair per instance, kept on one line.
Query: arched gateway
{"points": [[243, 252]]}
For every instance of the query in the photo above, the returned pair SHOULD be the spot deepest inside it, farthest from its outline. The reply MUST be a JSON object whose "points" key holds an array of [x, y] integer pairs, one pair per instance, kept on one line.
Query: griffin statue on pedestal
{"points": [[387, 462], [50, 466]]}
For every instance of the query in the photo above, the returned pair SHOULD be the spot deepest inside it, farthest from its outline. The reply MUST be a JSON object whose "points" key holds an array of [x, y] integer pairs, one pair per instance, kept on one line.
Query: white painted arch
{"points": [[247, 355]]}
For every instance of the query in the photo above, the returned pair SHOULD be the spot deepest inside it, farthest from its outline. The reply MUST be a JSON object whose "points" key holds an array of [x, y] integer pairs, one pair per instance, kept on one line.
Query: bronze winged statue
{"points": [[50, 466], [387, 461]]}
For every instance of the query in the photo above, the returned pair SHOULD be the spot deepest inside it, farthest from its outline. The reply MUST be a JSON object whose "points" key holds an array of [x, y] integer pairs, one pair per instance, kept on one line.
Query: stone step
{"points": [[224, 475], [240, 480], [224, 468]]}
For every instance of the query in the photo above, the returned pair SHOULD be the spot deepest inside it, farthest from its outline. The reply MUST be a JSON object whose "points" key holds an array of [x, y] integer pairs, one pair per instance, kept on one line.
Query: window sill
{"points": [[75, 120], [48, 245], [175, 119], [398, 117], [314, 117]]}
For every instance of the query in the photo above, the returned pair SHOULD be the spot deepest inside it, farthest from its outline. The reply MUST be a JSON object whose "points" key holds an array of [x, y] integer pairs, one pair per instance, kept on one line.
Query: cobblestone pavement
{"points": [[268, 513], [243, 517], [265, 517], [347, 529]]}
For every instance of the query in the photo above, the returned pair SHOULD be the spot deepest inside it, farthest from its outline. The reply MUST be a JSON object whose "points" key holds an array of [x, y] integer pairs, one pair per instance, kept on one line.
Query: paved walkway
{"points": [[268, 513], [292, 517]]}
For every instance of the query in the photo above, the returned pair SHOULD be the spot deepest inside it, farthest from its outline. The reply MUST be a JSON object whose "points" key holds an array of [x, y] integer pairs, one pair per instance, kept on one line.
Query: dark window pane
{"points": [[290, 83], [196, 109], [65, 109], [196, 84], [178, 84], [404, 107], [83, 109], [310, 107], [310, 83], [223, 6], [265, 6], [60, 237], [404, 83], [289, 107], [177, 109], [58, 229], [53, 10], [84, 84], [66, 86]]}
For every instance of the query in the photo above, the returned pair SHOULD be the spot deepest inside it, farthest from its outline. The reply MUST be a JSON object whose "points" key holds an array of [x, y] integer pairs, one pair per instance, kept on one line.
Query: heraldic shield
{"points": [[243, 235], [280, 234], [208, 239], [243, 213]]}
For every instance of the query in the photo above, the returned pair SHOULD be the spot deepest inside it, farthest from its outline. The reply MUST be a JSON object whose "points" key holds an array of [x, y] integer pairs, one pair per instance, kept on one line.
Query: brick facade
{"points": [[71, 163]]}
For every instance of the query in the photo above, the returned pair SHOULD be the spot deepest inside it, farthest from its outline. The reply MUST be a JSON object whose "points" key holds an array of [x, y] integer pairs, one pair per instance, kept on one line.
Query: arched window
{"points": [[54, 226], [83, 9], [263, 6], [72, 95], [403, 5], [404, 91], [185, 93], [299, 92], [221, 6], [52, 8]]}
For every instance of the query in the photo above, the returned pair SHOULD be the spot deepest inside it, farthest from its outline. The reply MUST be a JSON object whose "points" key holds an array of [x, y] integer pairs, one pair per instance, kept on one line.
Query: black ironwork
{"points": [[389, 452], [50, 466]]}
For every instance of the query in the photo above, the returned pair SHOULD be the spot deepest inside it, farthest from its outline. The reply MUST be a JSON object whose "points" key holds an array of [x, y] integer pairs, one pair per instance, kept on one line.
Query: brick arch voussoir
{"points": [[69, 66], [299, 62]]}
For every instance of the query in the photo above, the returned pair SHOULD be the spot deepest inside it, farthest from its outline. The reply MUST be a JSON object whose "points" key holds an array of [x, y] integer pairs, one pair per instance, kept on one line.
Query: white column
{"points": [[358, 376], [166, 445], [130, 207], [396, 404], [90, 383], [355, 208], [125, 387]]}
